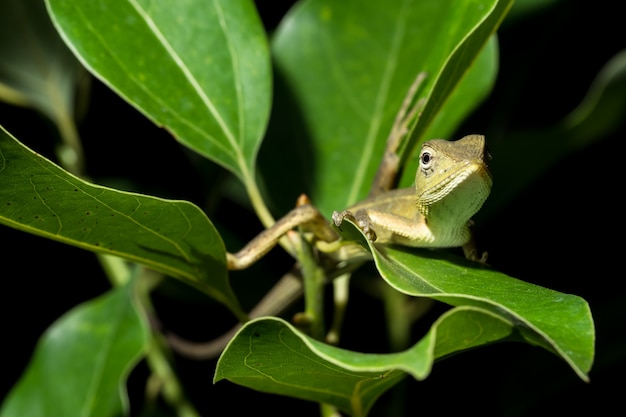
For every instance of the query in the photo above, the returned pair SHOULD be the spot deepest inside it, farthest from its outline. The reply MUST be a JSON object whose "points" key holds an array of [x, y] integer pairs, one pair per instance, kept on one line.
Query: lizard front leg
{"points": [[383, 227], [361, 219]]}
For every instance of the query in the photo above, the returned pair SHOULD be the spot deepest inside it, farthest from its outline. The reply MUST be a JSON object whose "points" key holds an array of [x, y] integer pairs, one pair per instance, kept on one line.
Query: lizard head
{"points": [[453, 179]]}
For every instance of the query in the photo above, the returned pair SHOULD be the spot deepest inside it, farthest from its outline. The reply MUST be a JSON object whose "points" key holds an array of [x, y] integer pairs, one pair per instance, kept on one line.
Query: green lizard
{"points": [[451, 184]]}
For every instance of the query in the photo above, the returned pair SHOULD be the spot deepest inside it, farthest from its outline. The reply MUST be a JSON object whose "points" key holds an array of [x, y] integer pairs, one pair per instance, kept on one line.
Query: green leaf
{"points": [[560, 323], [200, 69], [348, 66], [174, 237], [81, 362], [269, 355], [36, 69]]}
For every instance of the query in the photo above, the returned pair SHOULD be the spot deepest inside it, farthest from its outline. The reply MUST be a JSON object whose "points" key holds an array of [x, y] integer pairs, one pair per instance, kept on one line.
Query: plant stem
{"points": [[260, 208], [71, 151], [158, 353], [314, 278], [171, 388], [327, 410], [341, 292], [115, 268], [398, 331]]}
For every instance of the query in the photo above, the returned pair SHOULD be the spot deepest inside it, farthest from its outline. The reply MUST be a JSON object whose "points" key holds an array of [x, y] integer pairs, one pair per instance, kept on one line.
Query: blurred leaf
{"points": [[349, 65], [600, 113], [36, 70], [560, 323], [603, 108], [200, 69], [81, 362], [270, 355], [174, 237]]}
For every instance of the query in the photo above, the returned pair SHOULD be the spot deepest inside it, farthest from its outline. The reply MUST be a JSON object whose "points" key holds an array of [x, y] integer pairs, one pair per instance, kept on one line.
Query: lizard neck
{"points": [[448, 218]]}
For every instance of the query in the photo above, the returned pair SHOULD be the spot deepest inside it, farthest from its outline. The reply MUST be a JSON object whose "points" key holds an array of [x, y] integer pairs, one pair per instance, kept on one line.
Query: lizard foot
{"points": [[362, 221]]}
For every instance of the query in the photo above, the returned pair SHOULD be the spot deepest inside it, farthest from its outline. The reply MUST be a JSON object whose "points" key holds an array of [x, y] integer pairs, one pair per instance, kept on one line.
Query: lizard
{"points": [[452, 182]]}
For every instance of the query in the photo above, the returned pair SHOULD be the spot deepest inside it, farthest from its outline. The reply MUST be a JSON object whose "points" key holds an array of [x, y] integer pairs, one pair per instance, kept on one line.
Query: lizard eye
{"points": [[425, 158]]}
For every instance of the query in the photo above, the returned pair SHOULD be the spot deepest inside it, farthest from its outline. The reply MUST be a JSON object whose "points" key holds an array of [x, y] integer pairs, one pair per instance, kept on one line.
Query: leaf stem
{"points": [[264, 214], [327, 410], [115, 268], [258, 203]]}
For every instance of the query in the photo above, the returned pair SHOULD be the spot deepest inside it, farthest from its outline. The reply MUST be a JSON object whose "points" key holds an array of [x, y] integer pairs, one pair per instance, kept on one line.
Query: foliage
{"points": [[203, 71]]}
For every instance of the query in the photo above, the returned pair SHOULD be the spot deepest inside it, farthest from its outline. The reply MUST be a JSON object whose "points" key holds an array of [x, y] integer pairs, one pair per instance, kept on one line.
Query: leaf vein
{"points": [[139, 84], [189, 76]]}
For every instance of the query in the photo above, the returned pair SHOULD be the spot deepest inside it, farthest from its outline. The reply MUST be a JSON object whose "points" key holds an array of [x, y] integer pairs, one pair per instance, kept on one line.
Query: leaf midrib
{"points": [[180, 63]]}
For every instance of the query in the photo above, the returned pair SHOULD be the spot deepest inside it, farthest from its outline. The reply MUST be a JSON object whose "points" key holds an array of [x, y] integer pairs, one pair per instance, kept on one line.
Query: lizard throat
{"points": [[454, 200]]}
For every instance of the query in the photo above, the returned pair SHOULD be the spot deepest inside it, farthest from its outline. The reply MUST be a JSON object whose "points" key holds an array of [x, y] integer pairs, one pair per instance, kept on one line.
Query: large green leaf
{"points": [[560, 323], [174, 237], [199, 68], [348, 66], [82, 361], [269, 355]]}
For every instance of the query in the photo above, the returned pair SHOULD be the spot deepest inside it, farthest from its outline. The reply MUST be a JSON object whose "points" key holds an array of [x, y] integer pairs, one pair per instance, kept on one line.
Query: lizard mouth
{"points": [[473, 178]]}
